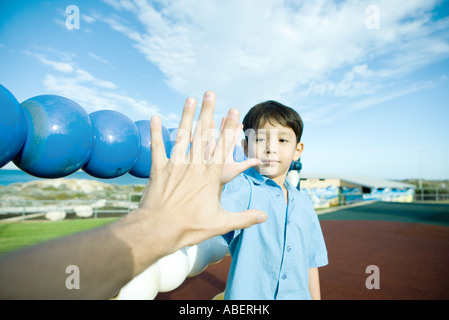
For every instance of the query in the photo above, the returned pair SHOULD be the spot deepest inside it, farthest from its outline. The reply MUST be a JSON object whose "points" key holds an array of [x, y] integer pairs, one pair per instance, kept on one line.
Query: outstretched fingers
{"points": [[226, 141], [203, 127], [184, 132], [158, 156]]}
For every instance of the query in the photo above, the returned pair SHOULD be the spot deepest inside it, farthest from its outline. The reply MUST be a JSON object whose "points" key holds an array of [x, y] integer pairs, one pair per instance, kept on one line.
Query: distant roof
{"points": [[364, 181]]}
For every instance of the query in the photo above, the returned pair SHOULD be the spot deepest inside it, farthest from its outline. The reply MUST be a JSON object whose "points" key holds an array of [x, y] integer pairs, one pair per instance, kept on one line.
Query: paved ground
{"points": [[409, 243]]}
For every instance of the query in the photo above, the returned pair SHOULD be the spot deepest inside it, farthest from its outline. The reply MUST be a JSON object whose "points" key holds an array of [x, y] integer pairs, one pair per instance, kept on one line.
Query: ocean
{"points": [[8, 176]]}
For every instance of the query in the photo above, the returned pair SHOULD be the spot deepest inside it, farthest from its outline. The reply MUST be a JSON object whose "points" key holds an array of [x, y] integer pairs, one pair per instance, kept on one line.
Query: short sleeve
{"points": [[316, 247], [317, 255], [235, 197]]}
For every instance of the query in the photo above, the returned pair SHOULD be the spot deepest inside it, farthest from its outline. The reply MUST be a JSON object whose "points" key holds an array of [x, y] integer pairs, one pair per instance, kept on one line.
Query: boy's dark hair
{"points": [[273, 111]]}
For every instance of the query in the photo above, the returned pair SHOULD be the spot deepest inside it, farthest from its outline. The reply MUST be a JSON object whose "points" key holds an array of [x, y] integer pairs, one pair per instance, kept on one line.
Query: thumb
{"points": [[243, 219], [244, 165]]}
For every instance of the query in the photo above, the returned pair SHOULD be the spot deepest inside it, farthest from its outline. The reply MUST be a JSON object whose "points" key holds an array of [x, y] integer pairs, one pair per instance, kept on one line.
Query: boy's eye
{"points": [[260, 139], [282, 140]]}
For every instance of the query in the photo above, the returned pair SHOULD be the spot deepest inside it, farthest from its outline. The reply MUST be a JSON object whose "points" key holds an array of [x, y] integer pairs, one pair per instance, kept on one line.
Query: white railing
{"points": [[59, 209]]}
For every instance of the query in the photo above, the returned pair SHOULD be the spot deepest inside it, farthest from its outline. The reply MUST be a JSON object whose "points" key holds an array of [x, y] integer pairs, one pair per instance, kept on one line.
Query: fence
{"points": [[16, 210], [432, 194], [334, 196]]}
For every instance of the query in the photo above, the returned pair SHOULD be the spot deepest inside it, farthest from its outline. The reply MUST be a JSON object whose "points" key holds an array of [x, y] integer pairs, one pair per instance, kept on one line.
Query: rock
{"points": [[99, 203], [55, 215], [83, 211]]}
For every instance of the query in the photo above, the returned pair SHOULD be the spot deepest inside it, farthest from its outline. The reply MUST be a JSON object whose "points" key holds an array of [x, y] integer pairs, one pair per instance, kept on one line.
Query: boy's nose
{"points": [[271, 147]]}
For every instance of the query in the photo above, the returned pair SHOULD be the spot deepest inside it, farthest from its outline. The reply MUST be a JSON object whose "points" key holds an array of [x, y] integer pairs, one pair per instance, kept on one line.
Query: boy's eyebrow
{"points": [[280, 132]]}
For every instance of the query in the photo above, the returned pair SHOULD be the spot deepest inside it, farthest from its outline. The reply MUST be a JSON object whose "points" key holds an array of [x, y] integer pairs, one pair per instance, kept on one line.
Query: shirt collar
{"points": [[257, 178]]}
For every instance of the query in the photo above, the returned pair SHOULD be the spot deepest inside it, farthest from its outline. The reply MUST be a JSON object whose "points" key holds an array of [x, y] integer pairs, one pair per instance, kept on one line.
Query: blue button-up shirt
{"points": [[271, 260]]}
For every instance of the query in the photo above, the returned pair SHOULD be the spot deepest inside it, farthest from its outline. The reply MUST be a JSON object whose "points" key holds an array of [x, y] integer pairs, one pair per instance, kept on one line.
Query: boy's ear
{"points": [[245, 147], [298, 151]]}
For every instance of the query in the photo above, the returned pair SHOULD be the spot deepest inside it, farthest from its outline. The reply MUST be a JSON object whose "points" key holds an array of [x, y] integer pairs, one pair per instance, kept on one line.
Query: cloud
{"points": [[63, 67], [91, 92], [94, 56], [87, 18], [329, 112], [255, 50], [94, 94]]}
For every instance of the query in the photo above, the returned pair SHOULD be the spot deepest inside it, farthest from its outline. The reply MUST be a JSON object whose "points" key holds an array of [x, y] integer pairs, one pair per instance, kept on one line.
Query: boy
{"points": [[278, 259]]}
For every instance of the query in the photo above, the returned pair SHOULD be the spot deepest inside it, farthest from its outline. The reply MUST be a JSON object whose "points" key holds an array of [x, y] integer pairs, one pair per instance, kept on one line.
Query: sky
{"points": [[369, 78]]}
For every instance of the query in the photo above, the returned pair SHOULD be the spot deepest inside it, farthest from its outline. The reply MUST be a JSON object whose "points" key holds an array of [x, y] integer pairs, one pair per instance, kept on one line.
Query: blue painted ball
{"points": [[12, 126], [58, 139], [142, 167], [115, 145]]}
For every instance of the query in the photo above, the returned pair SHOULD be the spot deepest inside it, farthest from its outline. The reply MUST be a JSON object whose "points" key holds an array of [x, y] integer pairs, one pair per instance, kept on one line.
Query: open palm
{"points": [[230, 168]]}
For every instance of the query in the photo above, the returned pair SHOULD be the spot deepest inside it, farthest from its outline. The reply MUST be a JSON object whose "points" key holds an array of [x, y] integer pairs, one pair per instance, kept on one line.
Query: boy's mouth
{"points": [[270, 162]]}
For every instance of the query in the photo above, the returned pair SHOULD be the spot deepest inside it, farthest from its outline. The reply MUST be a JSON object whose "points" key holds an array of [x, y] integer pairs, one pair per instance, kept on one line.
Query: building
{"points": [[328, 190], [367, 184]]}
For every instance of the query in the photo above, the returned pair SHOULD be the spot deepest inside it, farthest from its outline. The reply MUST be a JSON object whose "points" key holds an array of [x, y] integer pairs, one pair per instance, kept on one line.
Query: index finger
{"points": [[227, 138], [204, 124], [184, 131]]}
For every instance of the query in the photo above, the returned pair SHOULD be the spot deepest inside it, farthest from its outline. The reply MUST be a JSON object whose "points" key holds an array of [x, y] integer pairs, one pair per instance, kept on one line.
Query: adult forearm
{"points": [[99, 262]]}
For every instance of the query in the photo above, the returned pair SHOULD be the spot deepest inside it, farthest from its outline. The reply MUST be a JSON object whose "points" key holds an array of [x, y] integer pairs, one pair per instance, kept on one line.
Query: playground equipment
{"points": [[50, 136], [170, 272]]}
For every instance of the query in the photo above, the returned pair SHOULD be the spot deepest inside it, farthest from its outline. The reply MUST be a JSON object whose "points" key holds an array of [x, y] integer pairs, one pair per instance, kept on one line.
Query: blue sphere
{"points": [[142, 167], [12, 126], [239, 154], [173, 133], [59, 137], [115, 147]]}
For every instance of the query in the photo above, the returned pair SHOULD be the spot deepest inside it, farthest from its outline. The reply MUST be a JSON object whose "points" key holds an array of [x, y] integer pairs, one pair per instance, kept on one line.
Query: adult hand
{"points": [[230, 168], [182, 199], [180, 206]]}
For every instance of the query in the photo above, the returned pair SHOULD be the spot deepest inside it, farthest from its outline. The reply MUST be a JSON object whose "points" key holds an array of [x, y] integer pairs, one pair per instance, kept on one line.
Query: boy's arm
{"points": [[314, 284]]}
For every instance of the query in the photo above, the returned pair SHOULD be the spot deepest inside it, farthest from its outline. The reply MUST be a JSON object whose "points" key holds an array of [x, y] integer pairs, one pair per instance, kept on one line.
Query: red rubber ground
{"points": [[413, 261]]}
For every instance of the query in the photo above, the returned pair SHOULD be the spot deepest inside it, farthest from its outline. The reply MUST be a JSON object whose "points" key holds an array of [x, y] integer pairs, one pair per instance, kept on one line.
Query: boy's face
{"points": [[275, 146]]}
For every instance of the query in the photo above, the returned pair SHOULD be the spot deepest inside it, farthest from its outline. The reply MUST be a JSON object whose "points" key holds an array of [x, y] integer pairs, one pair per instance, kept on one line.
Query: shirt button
{"points": [[284, 276], [289, 248], [278, 195]]}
